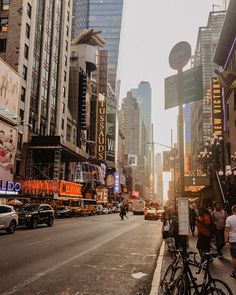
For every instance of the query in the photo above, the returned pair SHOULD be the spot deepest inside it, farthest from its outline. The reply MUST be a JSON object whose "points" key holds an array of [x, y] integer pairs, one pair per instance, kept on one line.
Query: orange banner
{"points": [[70, 189]]}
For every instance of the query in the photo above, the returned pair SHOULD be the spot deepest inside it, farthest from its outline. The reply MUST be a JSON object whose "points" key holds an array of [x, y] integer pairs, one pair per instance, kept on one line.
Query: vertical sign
{"points": [[117, 182], [183, 216], [101, 130], [217, 107], [111, 132]]}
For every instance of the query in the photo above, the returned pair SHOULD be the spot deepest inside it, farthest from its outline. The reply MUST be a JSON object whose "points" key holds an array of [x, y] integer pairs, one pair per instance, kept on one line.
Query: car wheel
{"points": [[12, 227], [34, 223], [50, 222]]}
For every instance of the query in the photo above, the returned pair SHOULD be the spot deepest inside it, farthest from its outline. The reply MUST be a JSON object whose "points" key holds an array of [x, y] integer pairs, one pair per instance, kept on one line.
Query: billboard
{"points": [[9, 91], [101, 130], [217, 107], [111, 132], [192, 88], [132, 160], [7, 151]]}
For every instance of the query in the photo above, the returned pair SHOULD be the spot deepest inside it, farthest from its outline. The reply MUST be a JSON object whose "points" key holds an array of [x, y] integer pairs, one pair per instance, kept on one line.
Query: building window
{"points": [[63, 108], [5, 4], [67, 31], [24, 72], [21, 115], [3, 45], [68, 16], [26, 51], [27, 31], [19, 141], [4, 24], [64, 91], [62, 124], [66, 45], [29, 10], [65, 76], [23, 93], [65, 61]]}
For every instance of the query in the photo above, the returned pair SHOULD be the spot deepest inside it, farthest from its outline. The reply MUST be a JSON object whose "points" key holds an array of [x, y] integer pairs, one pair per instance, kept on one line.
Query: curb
{"points": [[157, 274]]}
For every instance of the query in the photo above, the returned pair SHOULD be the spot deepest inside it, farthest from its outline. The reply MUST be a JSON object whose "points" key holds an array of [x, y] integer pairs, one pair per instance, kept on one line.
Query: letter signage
{"points": [[101, 130], [217, 107]]}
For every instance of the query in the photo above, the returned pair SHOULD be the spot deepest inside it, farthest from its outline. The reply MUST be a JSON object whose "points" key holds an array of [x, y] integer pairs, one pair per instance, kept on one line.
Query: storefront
{"points": [[9, 190]]}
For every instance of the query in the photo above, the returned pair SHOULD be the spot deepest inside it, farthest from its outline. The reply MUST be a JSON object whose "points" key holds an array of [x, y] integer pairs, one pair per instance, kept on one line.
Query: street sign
{"points": [[117, 182], [196, 181], [180, 55], [183, 216], [192, 87]]}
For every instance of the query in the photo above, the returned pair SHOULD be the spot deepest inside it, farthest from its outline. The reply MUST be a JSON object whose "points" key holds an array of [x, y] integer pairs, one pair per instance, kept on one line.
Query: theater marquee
{"points": [[101, 130], [217, 107]]}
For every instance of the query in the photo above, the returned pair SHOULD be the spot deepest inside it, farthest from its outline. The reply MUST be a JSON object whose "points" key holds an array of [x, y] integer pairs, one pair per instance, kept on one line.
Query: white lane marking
{"points": [[157, 275], [37, 276], [138, 275]]}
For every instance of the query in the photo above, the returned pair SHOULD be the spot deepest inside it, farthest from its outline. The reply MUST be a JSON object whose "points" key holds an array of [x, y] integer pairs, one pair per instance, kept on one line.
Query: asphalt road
{"points": [[79, 256]]}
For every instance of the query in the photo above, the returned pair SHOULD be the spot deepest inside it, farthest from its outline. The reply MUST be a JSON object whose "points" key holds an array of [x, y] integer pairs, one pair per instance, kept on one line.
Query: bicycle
{"points": [[186, 282], [171, 273]]}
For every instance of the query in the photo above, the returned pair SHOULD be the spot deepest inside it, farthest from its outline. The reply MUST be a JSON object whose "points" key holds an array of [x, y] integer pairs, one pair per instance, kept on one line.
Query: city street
{"points": [[89, 255]]}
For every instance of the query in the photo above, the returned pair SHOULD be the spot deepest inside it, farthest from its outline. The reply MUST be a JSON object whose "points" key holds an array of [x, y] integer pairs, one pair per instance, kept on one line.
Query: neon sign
{"points": [[9, 187]]}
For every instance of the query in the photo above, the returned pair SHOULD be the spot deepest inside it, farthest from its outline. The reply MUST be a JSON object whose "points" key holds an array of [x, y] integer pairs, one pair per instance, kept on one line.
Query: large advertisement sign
{"points": [[217, 107], [111, 132], [7, 151], [101, 136], [9, 91]]}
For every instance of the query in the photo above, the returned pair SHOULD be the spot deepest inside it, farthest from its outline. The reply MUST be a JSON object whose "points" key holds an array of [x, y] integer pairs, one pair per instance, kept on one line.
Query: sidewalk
{"points": [[220, 268]]}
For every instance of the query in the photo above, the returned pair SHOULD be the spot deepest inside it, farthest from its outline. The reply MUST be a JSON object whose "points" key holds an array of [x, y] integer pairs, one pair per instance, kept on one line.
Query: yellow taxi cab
{"points": [[151, 213]]}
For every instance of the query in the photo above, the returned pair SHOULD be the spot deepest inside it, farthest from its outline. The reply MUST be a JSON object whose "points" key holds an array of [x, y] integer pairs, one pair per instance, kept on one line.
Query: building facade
{"points": [[201, 111]]}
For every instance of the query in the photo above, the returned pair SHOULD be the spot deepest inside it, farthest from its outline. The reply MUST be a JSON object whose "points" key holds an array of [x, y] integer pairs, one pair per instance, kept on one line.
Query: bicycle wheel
{"points": [[218, 284], [215, 291], [169, 277], [179, 286]]}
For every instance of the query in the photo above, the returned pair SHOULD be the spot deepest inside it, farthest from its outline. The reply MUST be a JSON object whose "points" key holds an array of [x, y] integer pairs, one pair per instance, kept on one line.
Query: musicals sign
{"points": [[217, 108], [101, 130]]}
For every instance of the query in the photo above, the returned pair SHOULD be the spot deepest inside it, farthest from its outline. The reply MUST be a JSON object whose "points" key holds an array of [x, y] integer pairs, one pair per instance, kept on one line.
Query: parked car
{"points": [[8, 219], [105, 210], [33, 214], [99, 209], [109, 210], [160, 213], [63, 211], [151, 213]]}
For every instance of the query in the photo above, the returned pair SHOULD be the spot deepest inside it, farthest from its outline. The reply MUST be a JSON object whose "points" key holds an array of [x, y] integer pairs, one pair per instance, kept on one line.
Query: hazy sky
{"points": [[150, 29]]}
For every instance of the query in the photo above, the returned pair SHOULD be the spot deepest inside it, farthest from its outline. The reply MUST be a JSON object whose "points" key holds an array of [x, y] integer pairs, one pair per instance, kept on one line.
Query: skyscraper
{"points": [[36, 43], [144, 98], [201, 111], [80, 16], [104, 15]]}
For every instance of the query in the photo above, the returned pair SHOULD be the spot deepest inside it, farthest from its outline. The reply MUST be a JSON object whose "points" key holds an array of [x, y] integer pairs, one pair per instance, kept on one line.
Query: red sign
{"points": [[110, 181]]}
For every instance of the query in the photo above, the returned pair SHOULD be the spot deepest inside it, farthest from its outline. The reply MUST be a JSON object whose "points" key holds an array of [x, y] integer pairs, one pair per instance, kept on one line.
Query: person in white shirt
{"points": [[230, 238]]}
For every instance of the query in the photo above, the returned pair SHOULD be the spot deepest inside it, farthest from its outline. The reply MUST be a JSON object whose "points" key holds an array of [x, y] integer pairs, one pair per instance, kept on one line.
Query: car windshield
{"points": [[30, 208]]}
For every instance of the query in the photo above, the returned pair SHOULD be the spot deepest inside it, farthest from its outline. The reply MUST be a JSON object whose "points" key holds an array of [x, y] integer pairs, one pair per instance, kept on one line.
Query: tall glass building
{"points": [[144, 97], [80, 17], [104, 15]]}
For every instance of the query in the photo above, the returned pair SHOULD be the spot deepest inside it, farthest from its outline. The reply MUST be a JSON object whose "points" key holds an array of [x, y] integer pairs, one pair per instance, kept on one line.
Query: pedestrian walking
{"points": [[230, 238], [219, 218], [192, 220], [204, 233], [123, 212]]}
